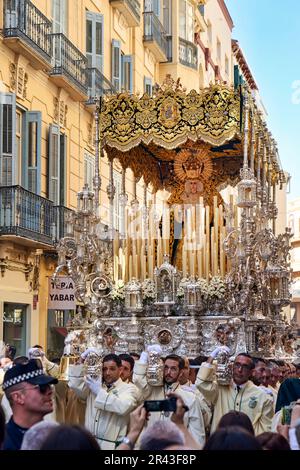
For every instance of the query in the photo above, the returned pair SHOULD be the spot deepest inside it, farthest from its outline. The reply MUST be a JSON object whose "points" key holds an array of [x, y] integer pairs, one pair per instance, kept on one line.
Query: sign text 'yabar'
{"points": [[61, 294]]}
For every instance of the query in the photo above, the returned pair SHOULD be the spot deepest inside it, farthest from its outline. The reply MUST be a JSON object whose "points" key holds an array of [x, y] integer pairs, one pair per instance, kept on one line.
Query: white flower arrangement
{"points": [[204, 289], [180, 290], [216, 288], [148, 290], [118, 291]]}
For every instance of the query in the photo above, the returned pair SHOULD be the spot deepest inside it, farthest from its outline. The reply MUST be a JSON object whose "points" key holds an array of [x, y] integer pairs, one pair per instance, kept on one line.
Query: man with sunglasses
{"points": [[240, 395], [29, 393]]}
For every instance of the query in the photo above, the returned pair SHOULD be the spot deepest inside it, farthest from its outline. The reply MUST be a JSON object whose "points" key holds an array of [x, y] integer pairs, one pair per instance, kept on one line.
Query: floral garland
{"points": [[216, 288], [118, 291], [182, 284], [148, 291]]}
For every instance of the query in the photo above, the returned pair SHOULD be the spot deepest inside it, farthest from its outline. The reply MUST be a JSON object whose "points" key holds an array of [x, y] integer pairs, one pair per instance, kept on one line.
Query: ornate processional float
{"points": [[197, 262]]}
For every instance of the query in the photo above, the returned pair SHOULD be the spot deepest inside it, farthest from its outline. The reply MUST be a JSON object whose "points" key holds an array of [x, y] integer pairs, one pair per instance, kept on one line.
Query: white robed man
{"points": [[187, 384], [240, 395], [109, 401], [173, 368]]}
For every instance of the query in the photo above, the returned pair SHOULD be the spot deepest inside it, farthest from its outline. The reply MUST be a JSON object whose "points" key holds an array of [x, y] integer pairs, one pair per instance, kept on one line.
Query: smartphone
{"points": [[161, 405]]}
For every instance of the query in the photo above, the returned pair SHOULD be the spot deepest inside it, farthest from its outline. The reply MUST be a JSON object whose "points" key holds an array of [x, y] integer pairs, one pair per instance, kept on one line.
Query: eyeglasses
{"points": [[43, 388], [238, 365]]}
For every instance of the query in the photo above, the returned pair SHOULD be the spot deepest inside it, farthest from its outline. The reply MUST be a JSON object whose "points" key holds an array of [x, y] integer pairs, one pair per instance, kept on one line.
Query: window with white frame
{"points": [[226, 65], [167, 16], [7, 139], [209, 32], [57, 177], [94, 40], [60, 16], [219, 51], [89, 170], [117, 209], [121, 68], [186, 20], [148, 86]]}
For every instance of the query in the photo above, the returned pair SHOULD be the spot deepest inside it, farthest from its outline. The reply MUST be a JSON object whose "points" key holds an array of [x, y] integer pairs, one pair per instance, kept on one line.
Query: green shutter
{"points": [[8, 161], [236, 76], [31, 151], [54, 164], [63, 171], [116, 64]]}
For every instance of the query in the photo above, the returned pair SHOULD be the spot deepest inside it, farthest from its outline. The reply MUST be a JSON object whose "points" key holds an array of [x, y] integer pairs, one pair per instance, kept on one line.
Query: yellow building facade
{"points": [[56, 57]]}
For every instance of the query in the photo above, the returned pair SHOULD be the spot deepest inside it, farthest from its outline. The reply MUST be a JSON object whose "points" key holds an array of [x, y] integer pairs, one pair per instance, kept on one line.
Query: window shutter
{"points": [[8, 163], [127, 73], [59, 16], [236, 76], [63, 170], [116, 205], [53, 164], [89, 170], [31, 177], [116, 64], [148, 86], [156, 7], [94, 40]]}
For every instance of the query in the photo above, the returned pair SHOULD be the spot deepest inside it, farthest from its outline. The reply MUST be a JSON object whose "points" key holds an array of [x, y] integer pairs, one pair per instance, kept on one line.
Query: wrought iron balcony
{"points": [[60, 217], [155, 36], [27, 31], [188, 53], [25, 214], [69, 67], [131, 9], [98, 85]]}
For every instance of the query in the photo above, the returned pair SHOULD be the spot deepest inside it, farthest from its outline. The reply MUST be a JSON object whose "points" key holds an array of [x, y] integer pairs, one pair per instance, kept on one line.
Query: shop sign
{"points": [[61, 294]]}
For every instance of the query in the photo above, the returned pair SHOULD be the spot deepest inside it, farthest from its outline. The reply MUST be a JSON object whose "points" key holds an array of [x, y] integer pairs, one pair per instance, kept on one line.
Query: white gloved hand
{"points": [[93, 384], [218, 350], [34, 353], [155, 348], [85, 354], [143, 357]]}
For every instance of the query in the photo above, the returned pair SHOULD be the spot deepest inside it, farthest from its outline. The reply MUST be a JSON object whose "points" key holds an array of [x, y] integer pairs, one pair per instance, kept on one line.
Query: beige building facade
{"points": [[56, 57]]}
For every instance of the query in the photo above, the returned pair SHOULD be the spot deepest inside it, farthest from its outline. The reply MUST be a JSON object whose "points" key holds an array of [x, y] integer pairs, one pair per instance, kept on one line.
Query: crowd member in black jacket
{"points": [[29, 393]]}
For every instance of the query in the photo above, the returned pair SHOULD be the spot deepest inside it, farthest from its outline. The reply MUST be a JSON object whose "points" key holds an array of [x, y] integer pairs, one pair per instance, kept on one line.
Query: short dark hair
{"points": [[249, 357], [37, 346], [135, 354], [273, 441], [175, 357], [256, 360], [10, 351], [70, 438], [232, 438], [236, 418], [127, 358], [113, 357], [20, 360], [201, 359]]}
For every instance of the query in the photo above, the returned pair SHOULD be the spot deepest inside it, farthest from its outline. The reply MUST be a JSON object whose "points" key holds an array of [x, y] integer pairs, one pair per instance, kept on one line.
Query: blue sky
{"points": [[268, 32]]}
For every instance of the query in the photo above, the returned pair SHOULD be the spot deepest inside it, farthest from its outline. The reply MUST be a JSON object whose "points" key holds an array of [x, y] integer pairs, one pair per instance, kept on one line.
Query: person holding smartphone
{"points": [[173, 369]]}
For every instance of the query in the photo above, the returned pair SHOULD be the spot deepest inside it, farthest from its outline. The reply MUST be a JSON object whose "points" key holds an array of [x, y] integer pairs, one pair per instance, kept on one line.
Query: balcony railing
{"points": [[69, 61], [129, 7], [188, 53], [154, 32], [25, 214], [23, 20], [60, 217], [98, 85]]}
